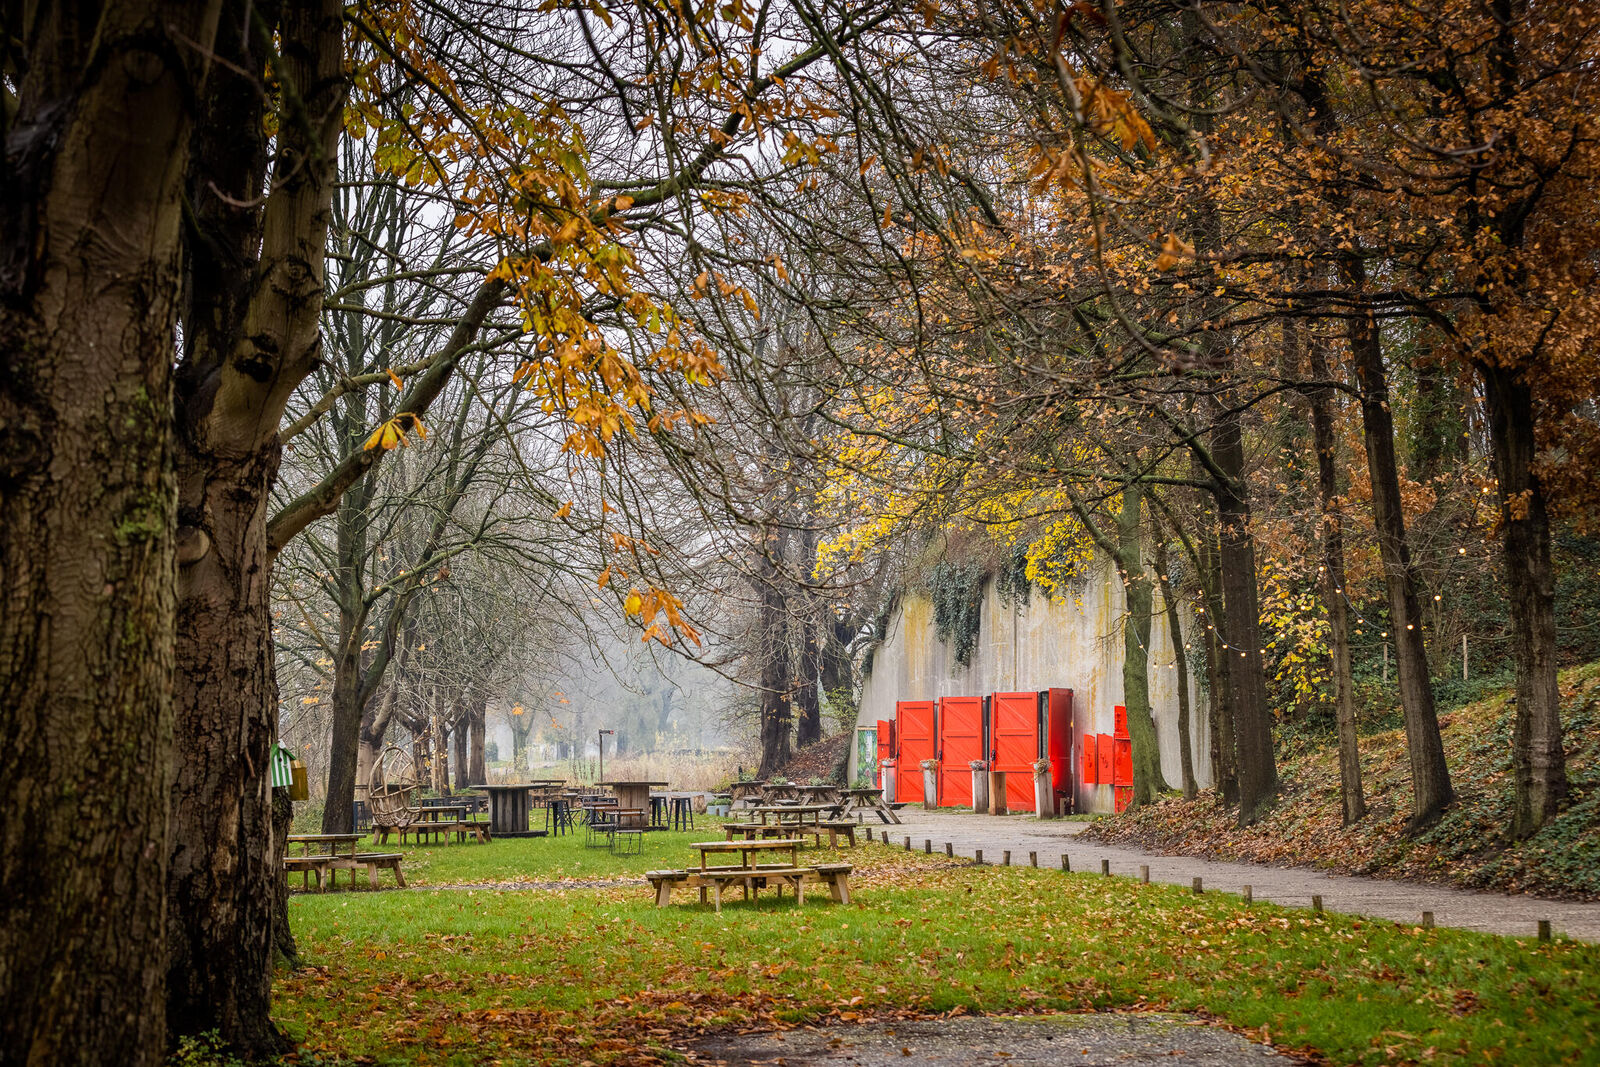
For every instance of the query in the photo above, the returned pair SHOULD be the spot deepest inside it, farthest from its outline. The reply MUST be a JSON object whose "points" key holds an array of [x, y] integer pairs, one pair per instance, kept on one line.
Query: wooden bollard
{"points": [[977, 856], [1249, 894], [1033, 859], [1144, 873], [1544, 929], [869, 833], [1066, 864], [949, 849], [1105, 868], [927, 848], [1427, 920], [1197, 888], [908, 844], [1316, 903], [1005, 858]]}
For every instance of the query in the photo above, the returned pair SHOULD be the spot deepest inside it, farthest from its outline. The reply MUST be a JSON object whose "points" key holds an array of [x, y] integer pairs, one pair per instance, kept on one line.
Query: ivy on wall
{"points": [[957, 590]]}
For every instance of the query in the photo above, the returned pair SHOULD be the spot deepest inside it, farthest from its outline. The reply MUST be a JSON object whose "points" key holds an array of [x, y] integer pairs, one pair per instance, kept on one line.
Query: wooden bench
{"points": [[307, 866], [374, 862], [837, 827], [750, 831], [836, 876]]}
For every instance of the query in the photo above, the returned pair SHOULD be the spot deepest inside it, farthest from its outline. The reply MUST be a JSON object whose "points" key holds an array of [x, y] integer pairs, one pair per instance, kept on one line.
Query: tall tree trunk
{"points": [[282, 933], [1430, 777], [477, 772], [807, 698], [251, 334], [89, 260], [777, 678], [1219, 668], [463, 765], [1353, 800], [1538, 760], [1148, 780], [1257, 768], [1180, 663]]}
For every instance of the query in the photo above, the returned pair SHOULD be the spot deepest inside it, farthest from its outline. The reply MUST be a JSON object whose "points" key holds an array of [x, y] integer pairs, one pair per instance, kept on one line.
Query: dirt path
{"points": [[1039, 1041], [1403, 902]]}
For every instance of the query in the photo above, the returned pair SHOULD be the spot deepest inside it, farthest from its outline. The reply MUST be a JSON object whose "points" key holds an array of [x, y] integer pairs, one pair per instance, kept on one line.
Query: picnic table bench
{"points": [[438, 821], [836, 876], [867, 800], [331, 857]]}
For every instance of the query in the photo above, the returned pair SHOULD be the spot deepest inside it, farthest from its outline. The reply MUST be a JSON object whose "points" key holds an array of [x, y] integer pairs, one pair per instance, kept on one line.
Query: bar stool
{"points": [[557, 816], [682, 817], [658, 810]]}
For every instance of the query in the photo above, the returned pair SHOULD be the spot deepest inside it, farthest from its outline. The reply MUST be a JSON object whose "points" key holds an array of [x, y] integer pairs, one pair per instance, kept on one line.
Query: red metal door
{"points": [[1014, 720], [914, 734], [1091, 761], [1106, 757], [960, 742], [1059, 737]]}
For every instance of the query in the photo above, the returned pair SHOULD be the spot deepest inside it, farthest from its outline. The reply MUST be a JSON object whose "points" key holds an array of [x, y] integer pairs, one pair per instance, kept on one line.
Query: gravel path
{"points": [[1379, 898], [1039, 1041]]}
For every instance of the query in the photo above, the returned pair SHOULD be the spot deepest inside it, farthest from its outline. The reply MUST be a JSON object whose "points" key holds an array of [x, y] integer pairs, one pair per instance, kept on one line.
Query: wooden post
{"points": [[1544, 929], [908, 843], [977, 856], [1249, 895], [1066, 864], [1005, 858], [1427, 920], [1463, 657], [869, 833], [1144, 873], [1197, 888], [1105, 868], [1316, 903], [949, 849], [927, 848], [1033, 859]]}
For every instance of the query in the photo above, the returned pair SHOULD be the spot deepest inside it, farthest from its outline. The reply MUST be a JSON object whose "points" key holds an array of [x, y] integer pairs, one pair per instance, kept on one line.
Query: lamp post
{"points": [[601, 741]]}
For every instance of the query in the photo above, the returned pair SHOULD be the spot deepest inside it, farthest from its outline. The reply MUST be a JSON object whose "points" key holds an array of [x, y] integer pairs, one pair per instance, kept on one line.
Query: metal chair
{"points": [[682, 813]]}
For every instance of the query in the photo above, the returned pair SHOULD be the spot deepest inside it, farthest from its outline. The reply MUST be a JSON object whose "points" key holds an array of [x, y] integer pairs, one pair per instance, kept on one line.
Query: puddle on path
{"points": [[1037, 1041]]}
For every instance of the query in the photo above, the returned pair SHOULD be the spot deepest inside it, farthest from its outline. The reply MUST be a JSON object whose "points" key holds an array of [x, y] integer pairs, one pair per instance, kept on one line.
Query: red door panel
{"points": [[1106, 758], [885, 746], [1014, 719], [960, 742], [1120, 718], [1122, 768], [914, 734], [1091, 761]]}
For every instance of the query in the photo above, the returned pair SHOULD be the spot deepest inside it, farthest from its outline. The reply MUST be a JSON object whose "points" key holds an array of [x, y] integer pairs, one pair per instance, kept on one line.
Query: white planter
{"points": [[886, 770], [930, 786], [980, 786], [1044, 799]]}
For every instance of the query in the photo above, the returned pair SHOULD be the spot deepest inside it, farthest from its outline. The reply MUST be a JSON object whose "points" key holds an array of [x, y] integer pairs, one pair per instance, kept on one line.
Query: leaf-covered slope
{"points": [[1469, 847]]}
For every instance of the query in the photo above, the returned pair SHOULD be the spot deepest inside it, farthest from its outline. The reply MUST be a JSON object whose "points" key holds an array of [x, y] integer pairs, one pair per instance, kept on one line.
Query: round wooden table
{"points": [[633, 795], [508, 810]]}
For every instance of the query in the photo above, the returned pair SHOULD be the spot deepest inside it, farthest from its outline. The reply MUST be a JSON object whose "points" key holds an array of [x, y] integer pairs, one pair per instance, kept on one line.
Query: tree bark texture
{"points": [[1352, 799], [89, 265], [1430, 778], [1252, 726], [777, 709], [1224, 763], [1538, 760], [478, 726], [252, 333], [1138, 607], [1180, 664]]}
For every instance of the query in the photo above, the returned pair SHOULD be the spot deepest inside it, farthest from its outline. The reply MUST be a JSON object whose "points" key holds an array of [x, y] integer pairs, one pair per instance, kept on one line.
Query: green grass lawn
{"points": [[466, 976]]}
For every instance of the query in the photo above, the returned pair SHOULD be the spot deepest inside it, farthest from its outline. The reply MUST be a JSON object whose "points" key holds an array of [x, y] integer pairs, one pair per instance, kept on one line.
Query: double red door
{"points": [[914, 735], [960, 742], [1014, 720]]}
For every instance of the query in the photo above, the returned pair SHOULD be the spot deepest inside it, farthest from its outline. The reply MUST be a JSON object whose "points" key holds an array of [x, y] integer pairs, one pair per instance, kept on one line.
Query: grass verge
{"points": [[600, 976]]}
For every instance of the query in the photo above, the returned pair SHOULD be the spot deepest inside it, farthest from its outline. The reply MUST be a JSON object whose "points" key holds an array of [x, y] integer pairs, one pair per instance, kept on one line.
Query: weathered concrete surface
{"points": [[1379, 898], [1038, 1041], [1074, 643]]}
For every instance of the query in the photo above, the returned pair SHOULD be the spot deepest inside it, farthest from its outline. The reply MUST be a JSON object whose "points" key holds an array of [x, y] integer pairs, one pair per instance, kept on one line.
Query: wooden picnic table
{"points": [[792, 812], [869, 800], [331, 857], [745, 848]]}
